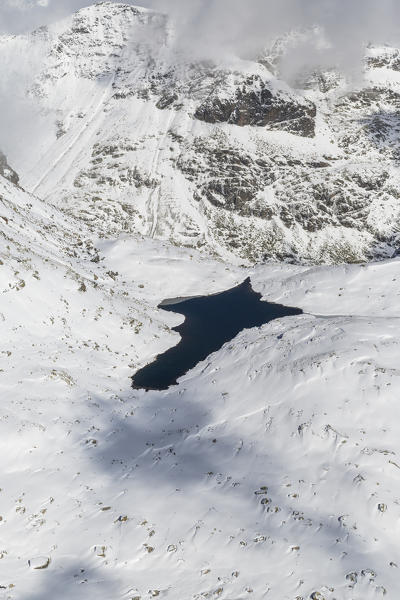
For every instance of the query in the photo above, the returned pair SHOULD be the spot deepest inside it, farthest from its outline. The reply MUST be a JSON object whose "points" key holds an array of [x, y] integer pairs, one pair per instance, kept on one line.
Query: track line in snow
{"points": [[154, 196], [104, 97]]}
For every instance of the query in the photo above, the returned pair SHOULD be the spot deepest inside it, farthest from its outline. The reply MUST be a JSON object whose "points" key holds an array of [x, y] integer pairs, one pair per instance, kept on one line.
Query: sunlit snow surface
{"points": [[272, 470]]}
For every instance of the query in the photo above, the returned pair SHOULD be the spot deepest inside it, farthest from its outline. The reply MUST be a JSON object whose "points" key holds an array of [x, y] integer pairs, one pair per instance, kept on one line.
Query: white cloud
{"points": [[209, 27], [17, 16], [26, 4]]}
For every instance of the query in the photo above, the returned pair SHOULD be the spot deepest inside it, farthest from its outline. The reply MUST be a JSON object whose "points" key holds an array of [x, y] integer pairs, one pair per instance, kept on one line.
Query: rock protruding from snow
{"points": [[39, 562], [7, 171], [255, 104]]}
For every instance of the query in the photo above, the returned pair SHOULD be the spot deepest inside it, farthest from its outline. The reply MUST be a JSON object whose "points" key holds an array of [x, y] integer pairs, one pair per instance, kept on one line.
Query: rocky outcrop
{"points": [[367, 121], [6, 171], [255, 104], [227, 177], [389, 59]]}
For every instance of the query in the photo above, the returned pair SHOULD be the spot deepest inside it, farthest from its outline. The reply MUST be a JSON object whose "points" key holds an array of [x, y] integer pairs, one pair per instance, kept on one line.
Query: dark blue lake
{"points": [[210, 322]]}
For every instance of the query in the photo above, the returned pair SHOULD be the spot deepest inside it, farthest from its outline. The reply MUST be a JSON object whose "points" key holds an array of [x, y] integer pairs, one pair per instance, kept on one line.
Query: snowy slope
{"points": [[134, 137], [271, 470]]}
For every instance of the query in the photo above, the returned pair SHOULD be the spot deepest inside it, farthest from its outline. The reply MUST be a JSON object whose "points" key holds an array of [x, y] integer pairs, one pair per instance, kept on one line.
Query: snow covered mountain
{"points": [[132, 136], [272, 469]]}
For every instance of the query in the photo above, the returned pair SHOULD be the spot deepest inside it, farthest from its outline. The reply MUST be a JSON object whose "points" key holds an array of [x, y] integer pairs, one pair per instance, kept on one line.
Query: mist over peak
{"points": [[334, 33], [210, 27]]}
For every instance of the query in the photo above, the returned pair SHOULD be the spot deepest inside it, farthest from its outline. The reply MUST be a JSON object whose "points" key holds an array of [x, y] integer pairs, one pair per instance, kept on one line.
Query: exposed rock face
{"points": [[388, 59], [377, 122], [6, 171], [256, 105], [289, 197], [228, 178]]}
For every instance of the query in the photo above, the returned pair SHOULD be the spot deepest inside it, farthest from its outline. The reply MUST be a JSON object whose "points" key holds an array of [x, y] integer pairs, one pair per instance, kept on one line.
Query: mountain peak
{"points": [[115, 7]]}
